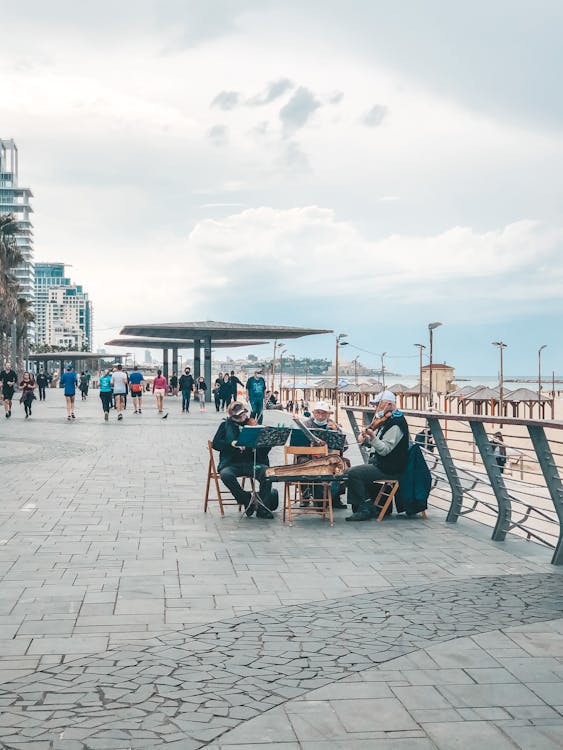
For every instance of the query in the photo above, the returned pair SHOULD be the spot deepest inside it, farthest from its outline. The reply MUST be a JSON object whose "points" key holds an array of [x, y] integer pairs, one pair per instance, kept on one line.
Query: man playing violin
{"points": [[236, 461], [388, 437]]}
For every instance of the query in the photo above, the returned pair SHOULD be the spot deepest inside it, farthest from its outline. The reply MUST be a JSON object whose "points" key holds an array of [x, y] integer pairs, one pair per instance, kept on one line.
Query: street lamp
{"points": [[294, 392], [339, 342], [355, 360], [281, 352], [540, 350], [501, 347], [383, 370], [431, 327], [274, 366], [420, 347]]}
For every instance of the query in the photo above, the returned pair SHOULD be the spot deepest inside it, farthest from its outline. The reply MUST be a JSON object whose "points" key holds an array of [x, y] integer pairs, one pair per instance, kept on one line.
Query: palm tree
{"points": [[10, 257]]}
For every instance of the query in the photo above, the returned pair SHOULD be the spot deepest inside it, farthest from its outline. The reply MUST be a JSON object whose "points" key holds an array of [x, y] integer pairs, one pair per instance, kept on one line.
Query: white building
{"points": [[15, 200], [63, 312]]}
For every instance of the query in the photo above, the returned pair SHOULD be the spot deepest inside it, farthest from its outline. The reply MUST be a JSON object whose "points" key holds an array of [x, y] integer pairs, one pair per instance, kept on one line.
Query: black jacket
{"points": [[186, 382], [415, 484], [227, 432], [394, 463]]}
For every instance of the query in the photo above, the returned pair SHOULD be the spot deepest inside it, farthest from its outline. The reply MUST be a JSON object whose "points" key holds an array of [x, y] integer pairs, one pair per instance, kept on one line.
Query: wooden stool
{"points": [[290, 503], [213, 475], [385, 497]]}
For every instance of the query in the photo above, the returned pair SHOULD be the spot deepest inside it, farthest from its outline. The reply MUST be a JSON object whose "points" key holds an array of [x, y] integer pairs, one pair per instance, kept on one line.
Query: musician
{"points": [[320, 420], [390, 454], [237, 462]]}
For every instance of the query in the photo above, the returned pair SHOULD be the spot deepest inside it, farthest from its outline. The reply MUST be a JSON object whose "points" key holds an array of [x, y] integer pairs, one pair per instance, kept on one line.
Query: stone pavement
{"points": [[129, 619]]}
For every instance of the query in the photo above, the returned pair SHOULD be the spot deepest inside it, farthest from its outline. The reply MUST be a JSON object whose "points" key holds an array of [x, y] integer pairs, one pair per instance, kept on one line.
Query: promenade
{"points": [[129, 619]]}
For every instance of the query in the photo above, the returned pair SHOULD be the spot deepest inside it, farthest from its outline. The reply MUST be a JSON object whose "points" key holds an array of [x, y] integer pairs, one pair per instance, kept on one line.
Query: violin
{"points": [[376, 422], [252, 422]]}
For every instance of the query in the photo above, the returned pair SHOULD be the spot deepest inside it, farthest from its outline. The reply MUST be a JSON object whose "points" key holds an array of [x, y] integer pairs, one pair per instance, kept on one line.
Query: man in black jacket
{"points": [[237, 462], [42, 383], [186, 384], [390, 446]]}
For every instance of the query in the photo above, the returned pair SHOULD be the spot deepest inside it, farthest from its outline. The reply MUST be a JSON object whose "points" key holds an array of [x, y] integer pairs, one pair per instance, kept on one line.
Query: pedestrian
{"points": [[174, 384], [225, 392], [8, 379], [235, 382], [256, 389], [83, 386], [136, 385], [42, 383], [159, 388], [105, 393], [217, 391], [27, 387], [119, 382], [69, 381], [499, 450], [201, 388], [424, 439], [186, 384]]}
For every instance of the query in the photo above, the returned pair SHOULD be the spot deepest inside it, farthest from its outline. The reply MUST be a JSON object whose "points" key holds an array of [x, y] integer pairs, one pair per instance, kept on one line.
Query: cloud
{"points": [[298, 110], [375, 116], [273, 91], [226, 100], [218, 135], [336, 97], [294, 159]]}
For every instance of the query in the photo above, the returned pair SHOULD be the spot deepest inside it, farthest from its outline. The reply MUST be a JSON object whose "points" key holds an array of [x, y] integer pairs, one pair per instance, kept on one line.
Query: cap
{"points": [[236, 409], [322, 406], [383, 396]]}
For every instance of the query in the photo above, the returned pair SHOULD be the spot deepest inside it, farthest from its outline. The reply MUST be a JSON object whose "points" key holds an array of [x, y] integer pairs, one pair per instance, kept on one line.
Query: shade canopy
{"points": [[70, 356], [161, 343], [217, 330]]}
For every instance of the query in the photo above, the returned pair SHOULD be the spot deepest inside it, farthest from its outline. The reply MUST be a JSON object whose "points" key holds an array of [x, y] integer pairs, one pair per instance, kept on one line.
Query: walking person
{"points": [[27, 387], [225, 392], [83, 386], [186, 384], [256, 389], [8, 379], [42, 383], [69, 381], [105, 393], [159, 388], [119, 382], [217, 391], [174, 384], [201, 388], [499, 450], [136, 385], [235, 382]]}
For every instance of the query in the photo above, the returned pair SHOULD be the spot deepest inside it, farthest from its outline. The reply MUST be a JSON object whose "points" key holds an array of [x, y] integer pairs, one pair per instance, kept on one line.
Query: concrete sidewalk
{"points": [[126, 612]]}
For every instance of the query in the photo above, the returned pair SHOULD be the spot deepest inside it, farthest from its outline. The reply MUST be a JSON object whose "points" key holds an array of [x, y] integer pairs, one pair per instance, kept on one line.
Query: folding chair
{"points": [[214, 476], [384, 498], [292, 500]]}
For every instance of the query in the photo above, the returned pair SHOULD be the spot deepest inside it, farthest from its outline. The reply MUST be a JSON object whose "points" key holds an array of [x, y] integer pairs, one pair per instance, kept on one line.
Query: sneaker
{"points": [[72, 415], [140, 412], [26, 416], [6, 415], [165, 416], [10, 413], [68, 418], [264, 513], [106, 416], [120, 416]]}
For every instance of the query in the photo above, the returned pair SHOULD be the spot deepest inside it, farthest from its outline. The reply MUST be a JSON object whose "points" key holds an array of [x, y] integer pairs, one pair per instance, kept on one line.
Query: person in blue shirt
{"points": [[69, 381], [105, 393], [256, 388], [136, 385]]}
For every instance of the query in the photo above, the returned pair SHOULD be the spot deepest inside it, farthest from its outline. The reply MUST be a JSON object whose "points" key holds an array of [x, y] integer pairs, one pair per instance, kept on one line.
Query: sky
{"points": [[367, 166]]}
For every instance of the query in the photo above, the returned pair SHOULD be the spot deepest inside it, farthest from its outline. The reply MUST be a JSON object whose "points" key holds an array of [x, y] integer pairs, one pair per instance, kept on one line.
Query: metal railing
{"points": [[523, 497]]}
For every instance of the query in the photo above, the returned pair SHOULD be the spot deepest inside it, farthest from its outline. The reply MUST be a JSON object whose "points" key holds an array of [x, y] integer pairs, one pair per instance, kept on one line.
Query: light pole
{"points": [[294, 392], [281, 352], [339, 343], [383, 370], [540, 350], [501, 347], [274, 366], [431, 327], [356, 369], [420, 347]]}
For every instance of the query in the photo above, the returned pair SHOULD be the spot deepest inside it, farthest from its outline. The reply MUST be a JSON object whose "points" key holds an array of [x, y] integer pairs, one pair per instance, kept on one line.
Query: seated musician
{"points": [[390, 454], [237, 462], [320, 420]]}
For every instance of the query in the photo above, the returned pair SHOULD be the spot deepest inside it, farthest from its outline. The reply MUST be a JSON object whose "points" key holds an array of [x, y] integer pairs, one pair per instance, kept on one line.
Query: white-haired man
{"points": [[389, 458]]}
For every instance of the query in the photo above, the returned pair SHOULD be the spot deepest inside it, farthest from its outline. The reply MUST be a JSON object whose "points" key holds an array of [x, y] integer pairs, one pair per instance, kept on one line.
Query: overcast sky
{"points": [[362, 165]]}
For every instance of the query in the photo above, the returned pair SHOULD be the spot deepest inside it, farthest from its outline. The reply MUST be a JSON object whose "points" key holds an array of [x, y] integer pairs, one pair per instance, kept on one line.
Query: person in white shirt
{"points": [[119, 382]]}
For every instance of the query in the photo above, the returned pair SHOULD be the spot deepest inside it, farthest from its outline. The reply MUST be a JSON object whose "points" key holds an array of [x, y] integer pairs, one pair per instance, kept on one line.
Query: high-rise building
{"points": [[15, 200], [63, 312]]}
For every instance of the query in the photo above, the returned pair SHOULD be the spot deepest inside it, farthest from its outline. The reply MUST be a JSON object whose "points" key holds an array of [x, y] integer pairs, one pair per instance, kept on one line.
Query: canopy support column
{"points": [[175, 360], [207, 366], [165, 363], [197, 358]]}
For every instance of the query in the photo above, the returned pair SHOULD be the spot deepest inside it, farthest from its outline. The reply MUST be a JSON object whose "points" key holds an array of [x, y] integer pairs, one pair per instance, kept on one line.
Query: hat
{"points": [[322, 406], [383, 396], [236, 409]]}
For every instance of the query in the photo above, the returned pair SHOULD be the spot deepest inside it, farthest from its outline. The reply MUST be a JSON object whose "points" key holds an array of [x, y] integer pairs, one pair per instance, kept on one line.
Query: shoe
{"points": [[26, 416], [120, 416], [106, 416], [10, 413], [249, 506], [338, 505], [359, 516], [72, 415], [183, 410], [6, 415], [264, 513], [68, 418], [140, 412], [165, 416]]}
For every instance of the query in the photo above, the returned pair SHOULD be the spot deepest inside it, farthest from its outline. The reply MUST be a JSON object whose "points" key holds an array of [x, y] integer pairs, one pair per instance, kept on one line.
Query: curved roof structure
{"points": [[163, 343], [218, 330]]}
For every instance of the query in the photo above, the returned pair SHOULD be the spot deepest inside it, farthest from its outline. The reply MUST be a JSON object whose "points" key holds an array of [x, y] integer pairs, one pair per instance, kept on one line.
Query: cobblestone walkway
{"points": [[128, 619]]}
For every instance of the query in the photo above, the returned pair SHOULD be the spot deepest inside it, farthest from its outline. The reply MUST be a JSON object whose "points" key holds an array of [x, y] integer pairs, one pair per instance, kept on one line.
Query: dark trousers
{"points": [[229, 477], [106, 400], [42, 393], [257, 406], [217, 398], [27, 405], [186, 395], [226, 400], [361, 492]]}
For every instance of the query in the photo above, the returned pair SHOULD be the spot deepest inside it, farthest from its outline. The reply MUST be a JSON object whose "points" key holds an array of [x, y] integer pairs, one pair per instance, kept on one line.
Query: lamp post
{"points": [[356, 368], [294, 392], [501, 347], [274, 366], [383, 370], [431, 328], [420, 348], [540, 350], [281, 352], [339, 343]]}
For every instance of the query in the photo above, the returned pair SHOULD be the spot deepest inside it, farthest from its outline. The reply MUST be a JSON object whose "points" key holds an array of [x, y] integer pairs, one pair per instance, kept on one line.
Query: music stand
{"points": [[261, 437]]}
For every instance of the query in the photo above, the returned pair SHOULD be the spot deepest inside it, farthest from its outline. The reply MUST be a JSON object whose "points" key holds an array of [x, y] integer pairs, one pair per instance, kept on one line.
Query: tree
{"points": [[10, 257]]}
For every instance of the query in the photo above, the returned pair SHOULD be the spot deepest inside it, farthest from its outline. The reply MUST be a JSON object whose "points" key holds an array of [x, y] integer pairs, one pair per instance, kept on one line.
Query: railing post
{"points": [[449, 468], [495, 478], [552, 480]]}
